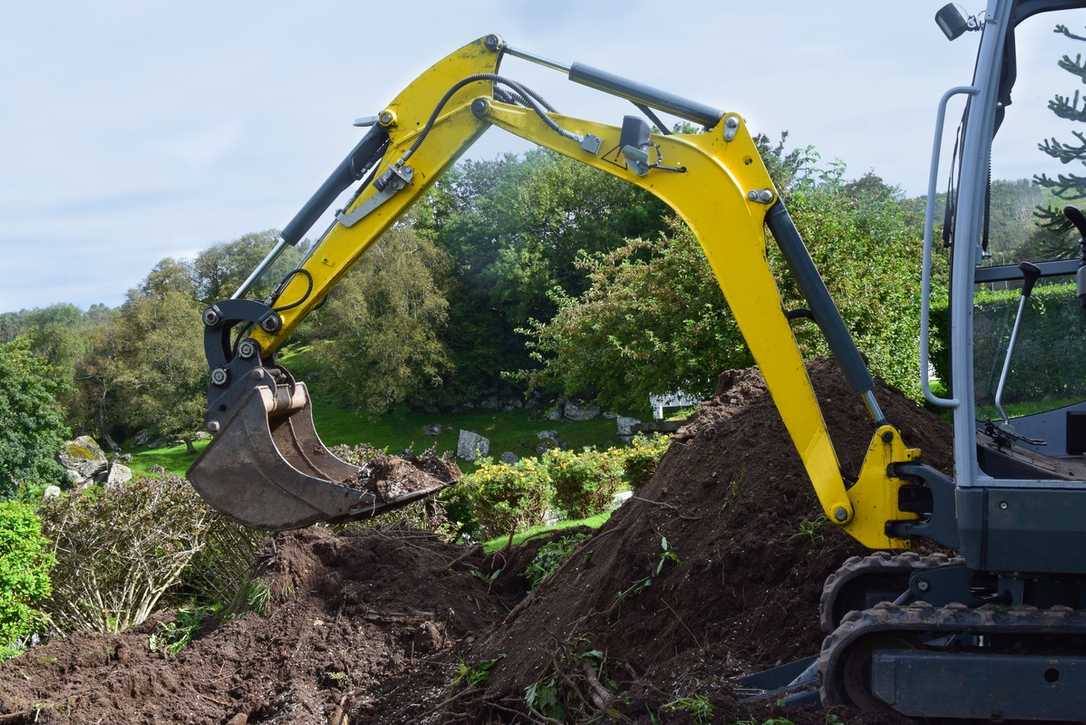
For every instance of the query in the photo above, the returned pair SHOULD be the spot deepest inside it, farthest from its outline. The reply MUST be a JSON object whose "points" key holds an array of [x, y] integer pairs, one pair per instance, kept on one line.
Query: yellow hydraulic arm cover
{"points": [[716, 181]]}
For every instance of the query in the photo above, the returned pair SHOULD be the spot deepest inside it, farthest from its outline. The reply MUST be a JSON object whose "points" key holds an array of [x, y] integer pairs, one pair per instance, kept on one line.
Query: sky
{"points": [[132, 131]]}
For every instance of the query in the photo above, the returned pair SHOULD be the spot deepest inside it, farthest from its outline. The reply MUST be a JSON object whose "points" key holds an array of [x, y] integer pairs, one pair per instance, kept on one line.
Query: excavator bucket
{"points": [[268, 468]]}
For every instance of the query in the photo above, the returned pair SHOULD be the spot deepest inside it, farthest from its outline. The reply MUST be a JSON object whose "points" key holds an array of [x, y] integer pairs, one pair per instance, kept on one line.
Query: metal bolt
{"points": [[213, 427], [762, 196], [887, 437], [480, 107], [386, 118], [247, 349], [923, 585], [492, 42], [1003, 505], [219, 376], [840, 514], [270, 323], [731, 126], [211, 317]]}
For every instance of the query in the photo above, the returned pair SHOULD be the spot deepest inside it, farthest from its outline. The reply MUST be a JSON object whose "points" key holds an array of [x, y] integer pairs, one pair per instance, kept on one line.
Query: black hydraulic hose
{"points": [[530, 98]]}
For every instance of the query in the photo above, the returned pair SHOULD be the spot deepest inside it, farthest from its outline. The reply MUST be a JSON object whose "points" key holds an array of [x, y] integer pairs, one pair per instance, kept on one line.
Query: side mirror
{"points": [[953, 21]]}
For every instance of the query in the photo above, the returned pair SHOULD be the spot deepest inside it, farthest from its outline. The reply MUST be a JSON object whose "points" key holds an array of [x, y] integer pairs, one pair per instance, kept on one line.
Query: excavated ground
{"points": [[372, 627]]}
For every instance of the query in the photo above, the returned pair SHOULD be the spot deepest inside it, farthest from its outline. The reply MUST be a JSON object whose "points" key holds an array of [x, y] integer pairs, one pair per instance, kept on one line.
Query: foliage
{"points": [[382, 324], [499, 498], [654, 320], [171, 637], [1070, 186], [639, 459], [25, 563], [1047, 363], [473, 675], [550, 556], [119, 549], [513, 227], [219, 270], [698, 707], [584, 482], [146, 369], [32, 427]]}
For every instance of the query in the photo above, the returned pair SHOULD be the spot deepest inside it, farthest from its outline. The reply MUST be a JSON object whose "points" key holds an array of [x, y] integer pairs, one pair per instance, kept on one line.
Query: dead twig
{"points": [[676, 509]]}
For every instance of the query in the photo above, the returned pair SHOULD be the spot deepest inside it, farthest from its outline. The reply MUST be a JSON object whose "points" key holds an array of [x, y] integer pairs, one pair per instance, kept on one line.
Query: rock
{"points": [[609, 415], [50, 492], [509, 458], [581, 412], [471, 445], [548, 435], [142, 438], [201, 435], [490, 403], [432, 429], [548, 439], [83, 457], [555, 413], [119, 474], [626, 426]]}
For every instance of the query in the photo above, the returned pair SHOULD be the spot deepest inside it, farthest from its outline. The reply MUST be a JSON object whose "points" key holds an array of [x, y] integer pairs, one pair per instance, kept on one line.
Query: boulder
{"points": [[626, 426], [119, 474], [432, 429], [555, 413], [50, 492], [82, 458], [609, 415], [491, 403], [582, 412], [548, 439], [509, 458], [471, 445]]}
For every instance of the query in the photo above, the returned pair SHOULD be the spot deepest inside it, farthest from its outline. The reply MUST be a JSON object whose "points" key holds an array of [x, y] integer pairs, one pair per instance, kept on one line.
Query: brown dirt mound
{"points": [[349, 612], [391, 477], [749, 555]]}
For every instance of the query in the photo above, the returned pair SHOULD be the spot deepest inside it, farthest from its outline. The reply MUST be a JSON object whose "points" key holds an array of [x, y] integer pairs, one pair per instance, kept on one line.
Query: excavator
{"points": [[991, 627]]}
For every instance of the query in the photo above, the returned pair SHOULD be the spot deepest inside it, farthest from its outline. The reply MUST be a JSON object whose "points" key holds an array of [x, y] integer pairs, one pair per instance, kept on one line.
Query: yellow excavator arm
{"points": [[266, 465]]}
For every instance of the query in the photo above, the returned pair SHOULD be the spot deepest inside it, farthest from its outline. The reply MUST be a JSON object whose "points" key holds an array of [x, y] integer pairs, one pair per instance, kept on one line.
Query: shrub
{"points": [[506, 497], [550, 556], [119, 549], [223, 570], [584, 482], [640, 459], [25, 561]]}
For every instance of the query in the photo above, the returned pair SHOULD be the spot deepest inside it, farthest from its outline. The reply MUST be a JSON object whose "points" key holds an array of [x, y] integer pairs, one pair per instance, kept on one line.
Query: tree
{"points": [[381, 324], [220, 269], [32, 427], [653, 318], [146, 370], [1069, 187]]}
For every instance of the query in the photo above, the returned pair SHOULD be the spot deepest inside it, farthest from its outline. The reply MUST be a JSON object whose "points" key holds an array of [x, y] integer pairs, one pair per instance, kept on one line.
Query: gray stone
{"points": [[555, 413], [471, 445], [432, 429], [50, 492], [626, 426], [609, 415], [509, 458], [490, 403], [583, 412], [547, 435], [119, 474], [548, 439], [142, 438], [82, 457]]}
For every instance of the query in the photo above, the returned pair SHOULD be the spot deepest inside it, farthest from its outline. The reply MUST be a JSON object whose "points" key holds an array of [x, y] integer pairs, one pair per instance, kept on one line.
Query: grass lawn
{"points": [[593, 522], [399, 429]]}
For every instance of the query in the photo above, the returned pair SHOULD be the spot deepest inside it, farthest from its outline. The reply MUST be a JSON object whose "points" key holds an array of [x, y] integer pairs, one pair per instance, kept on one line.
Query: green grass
{"points": [[592, 522], [399, 429]]}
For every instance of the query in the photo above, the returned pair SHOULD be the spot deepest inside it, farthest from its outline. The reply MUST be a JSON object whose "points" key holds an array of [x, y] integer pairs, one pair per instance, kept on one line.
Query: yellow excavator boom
{"points": [[715, 180]]}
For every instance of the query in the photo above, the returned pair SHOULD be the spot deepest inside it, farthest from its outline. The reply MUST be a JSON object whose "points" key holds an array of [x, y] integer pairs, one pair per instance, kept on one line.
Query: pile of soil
{"points": [[349, 612], [712, 569], [390, 477], [749, 551]]}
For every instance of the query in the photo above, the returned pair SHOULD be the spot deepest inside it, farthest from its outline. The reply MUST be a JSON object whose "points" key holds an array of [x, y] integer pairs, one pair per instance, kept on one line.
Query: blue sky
{"points": [[131, 131]]}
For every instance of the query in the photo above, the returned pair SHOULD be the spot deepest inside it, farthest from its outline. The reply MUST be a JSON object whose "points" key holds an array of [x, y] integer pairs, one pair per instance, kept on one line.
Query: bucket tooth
{"points": [[267, 467]]}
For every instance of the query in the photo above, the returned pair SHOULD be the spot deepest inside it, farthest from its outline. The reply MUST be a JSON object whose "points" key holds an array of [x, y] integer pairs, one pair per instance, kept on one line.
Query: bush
{"points": [[505, 497], [584, 482], [25, 561], [640, 459], [118, 550], [222, 572]]}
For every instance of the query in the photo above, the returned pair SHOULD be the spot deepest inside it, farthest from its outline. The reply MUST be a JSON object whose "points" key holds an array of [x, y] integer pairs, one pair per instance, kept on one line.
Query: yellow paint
{"points": [[875, 492], [711, 196]]}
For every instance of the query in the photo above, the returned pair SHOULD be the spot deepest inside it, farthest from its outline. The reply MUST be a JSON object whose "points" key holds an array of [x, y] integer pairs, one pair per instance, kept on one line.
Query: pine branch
{"points": [[1068, 108], [1065, 153], [1074, 67], [1063, 30]]}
